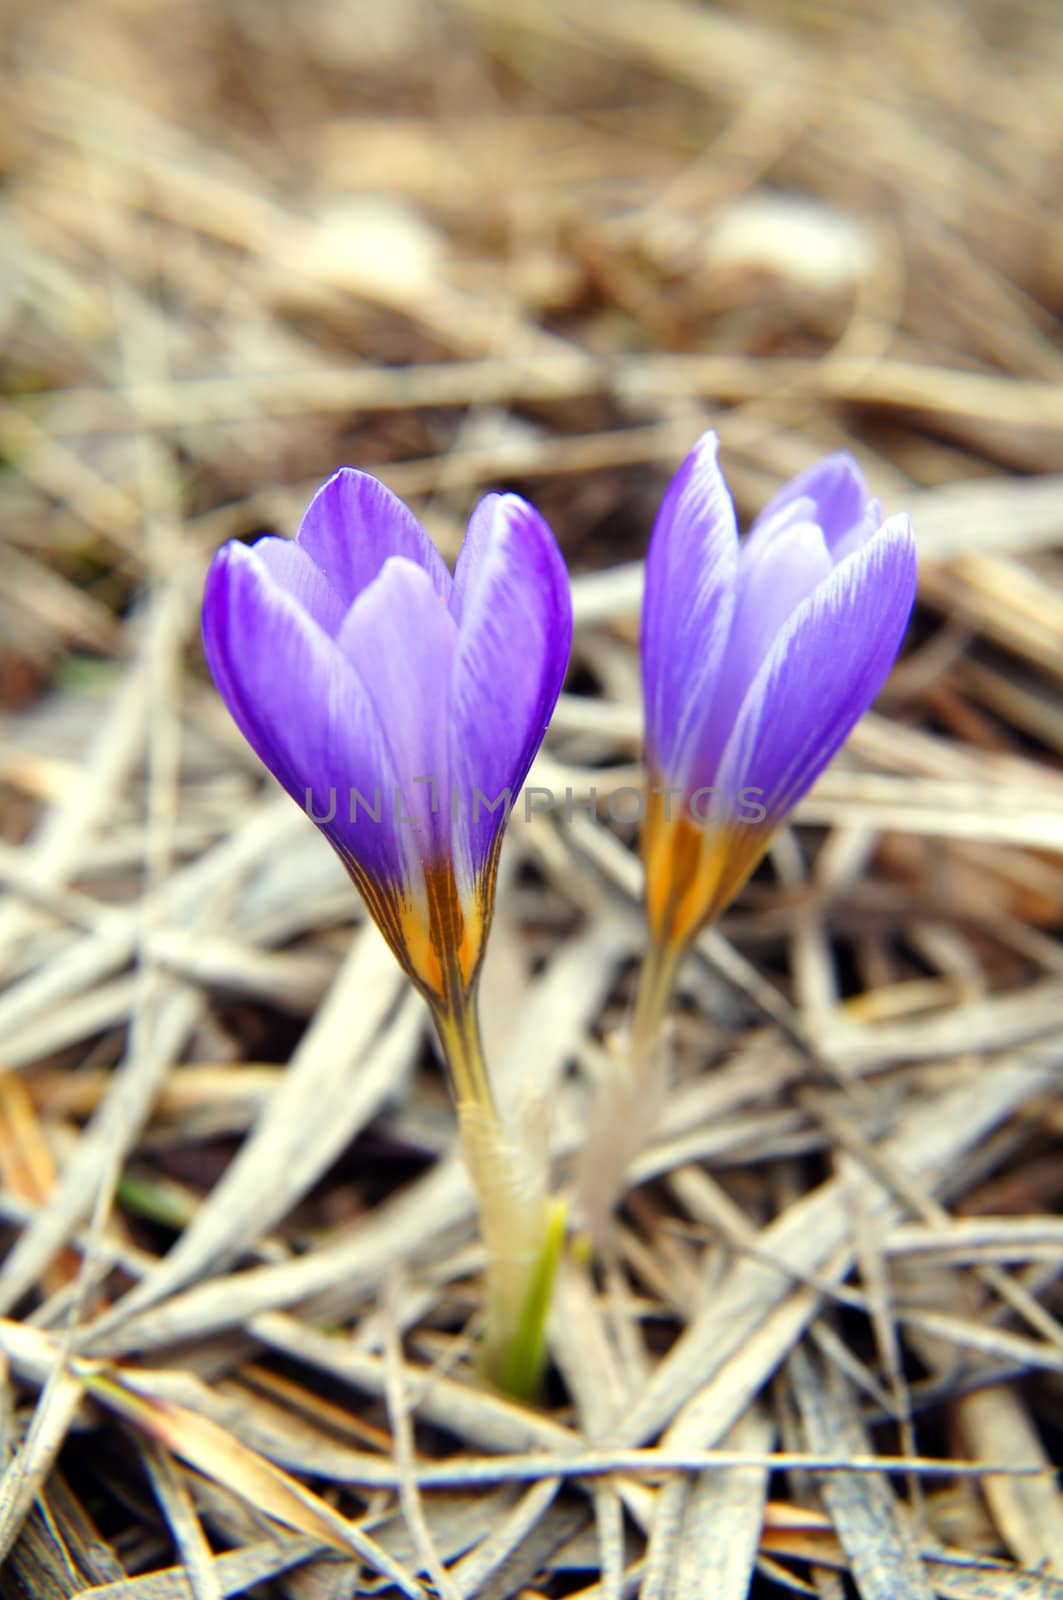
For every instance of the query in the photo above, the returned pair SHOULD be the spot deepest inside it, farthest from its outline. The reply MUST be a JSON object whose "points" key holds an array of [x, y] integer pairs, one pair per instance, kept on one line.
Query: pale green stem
{"points": [[523, 1229], [660, 966], [458, 1027]]}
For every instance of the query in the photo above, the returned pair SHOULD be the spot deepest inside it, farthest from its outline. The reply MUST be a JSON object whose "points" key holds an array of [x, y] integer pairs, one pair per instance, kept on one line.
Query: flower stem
{"points": [[523, 1228], [458, 1027], [524, 1355], [656, 982]]}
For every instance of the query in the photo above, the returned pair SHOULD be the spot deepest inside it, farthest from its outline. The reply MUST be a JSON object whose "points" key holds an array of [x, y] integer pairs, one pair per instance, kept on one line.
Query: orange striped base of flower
{"points": [[437, 938], [693, 869]]}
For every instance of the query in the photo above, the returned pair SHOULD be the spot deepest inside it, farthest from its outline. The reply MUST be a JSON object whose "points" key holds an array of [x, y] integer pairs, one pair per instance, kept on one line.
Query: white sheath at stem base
{"points": [[629, 1099], [523, 1233]]}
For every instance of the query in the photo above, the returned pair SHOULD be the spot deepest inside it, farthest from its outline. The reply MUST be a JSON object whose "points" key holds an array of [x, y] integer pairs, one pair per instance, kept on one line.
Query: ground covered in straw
{"points": [[536, 245]]}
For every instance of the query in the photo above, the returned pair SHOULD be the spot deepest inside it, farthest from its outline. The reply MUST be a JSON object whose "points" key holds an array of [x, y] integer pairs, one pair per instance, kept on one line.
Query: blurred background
{"points": [[471, 244], [533, 243]]}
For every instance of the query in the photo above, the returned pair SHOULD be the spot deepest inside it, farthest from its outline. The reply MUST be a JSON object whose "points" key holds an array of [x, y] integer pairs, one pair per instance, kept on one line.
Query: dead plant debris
{"points": [[539, 246]]}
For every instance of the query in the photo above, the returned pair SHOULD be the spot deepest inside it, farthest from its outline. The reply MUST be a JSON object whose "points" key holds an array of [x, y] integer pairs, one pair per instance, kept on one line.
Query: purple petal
{"points": [[771, 584], [400, 637], [823, 671], [300, 706], [513, 648], [351, 527], [836, 487], [686, 615], [860, 532], [773, 579], [293, 570], [764, 532], [474, 549]]}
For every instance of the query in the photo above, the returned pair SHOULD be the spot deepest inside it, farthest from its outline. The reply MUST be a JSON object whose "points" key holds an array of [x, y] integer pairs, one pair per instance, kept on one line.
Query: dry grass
{"points": [[539, 245]]}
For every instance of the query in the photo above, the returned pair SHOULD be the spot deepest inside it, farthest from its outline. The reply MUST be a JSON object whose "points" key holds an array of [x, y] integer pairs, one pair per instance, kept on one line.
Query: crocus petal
{"points": [[837, 488], [823, 671], [512, 653], [860, 532], [770, 588], [351, 527], [478, 536], [252, 628], [301, 707], [793, 513], [293, 570], [687, 610], [764, 532], [401, 637]]}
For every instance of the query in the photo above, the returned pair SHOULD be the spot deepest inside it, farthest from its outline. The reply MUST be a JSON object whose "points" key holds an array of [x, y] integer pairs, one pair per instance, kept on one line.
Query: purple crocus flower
{"points": [[757, 661], [400, 706]]}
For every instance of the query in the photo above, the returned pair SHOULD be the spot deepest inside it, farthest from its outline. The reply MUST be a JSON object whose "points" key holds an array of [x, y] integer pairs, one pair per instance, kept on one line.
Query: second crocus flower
{"points": [[757, 658]]}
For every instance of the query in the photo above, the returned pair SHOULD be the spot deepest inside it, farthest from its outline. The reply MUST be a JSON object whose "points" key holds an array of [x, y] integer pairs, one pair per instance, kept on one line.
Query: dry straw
{"points": [[539, 246]]}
